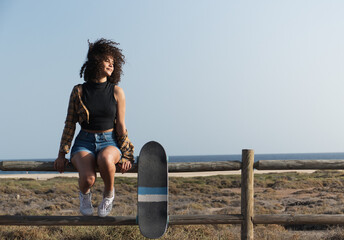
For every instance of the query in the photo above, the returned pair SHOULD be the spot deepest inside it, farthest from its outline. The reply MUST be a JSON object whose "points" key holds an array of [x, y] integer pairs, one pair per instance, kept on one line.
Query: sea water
{"points": [[218, 158]]}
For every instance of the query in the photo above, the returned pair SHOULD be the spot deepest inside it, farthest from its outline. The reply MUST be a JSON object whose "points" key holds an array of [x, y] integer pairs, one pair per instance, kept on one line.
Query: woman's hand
{"points": [[60, 163], [126, 166]]}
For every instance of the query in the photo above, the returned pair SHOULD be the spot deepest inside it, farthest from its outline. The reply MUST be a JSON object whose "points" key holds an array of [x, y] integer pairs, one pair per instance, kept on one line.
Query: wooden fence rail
{"points": [[298, 164], [118, 220], [192, 167], [283, 219], [247, 219], [172, 167]]}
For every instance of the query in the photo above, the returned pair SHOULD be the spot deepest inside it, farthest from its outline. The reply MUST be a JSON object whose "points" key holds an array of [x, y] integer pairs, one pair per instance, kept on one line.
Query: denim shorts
{"points": [[93, 142]]}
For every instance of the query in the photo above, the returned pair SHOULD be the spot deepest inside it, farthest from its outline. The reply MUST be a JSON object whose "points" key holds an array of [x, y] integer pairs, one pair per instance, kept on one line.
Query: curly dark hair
{"points": [[98, 52]]}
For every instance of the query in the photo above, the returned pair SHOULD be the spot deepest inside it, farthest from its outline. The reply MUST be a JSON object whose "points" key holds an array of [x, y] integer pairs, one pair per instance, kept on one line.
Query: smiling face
{"points": [[108, 64]]}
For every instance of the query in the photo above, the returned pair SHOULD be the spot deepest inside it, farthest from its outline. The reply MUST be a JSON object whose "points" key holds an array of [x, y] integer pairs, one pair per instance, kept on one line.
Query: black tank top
{"points": [[102, 106]]}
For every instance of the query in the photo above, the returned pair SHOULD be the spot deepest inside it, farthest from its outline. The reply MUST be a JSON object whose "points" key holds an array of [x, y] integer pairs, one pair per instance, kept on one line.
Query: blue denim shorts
{"points": [[93, 142]]}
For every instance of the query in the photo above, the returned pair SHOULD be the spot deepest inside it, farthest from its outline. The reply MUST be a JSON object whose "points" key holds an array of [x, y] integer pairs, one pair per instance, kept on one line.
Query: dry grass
{"points": [[317, 193]]}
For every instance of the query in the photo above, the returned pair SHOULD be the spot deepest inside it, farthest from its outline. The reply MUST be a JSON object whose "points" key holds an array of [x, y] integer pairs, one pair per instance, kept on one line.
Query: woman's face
{"points": [[108, 66]]}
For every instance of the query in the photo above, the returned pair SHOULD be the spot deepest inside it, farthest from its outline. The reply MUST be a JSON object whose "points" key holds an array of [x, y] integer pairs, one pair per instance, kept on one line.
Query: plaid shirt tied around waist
{"points": [[77, 112]]}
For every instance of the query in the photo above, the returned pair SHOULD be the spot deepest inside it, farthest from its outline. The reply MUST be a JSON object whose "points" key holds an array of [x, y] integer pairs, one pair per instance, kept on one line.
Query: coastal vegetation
{"points": [[320, 192]]}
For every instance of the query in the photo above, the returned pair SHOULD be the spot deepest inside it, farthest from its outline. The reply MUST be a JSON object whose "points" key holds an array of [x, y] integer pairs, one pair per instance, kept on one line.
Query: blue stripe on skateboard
{"points": [[152, 190]]}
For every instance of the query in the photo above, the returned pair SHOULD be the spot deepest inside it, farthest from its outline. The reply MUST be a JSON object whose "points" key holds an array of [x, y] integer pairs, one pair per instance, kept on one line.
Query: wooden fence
{"points": [[247, 218]]}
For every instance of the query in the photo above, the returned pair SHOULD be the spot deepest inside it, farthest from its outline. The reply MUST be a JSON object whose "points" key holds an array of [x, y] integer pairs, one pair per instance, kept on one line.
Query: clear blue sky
{"points": [[202, 77]]}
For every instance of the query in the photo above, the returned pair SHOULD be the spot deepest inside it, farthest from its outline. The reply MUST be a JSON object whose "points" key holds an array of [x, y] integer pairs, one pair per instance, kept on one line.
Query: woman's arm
{"points": [[123, 141], [120, 119], [68, 133], [70, 123]]}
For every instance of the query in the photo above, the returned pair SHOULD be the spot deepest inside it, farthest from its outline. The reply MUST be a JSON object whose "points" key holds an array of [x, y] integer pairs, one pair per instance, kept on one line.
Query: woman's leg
{"points": [[85, 163], [106, 161]]}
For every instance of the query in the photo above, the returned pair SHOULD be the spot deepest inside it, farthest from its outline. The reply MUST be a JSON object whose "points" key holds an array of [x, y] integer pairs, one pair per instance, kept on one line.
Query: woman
{"points": [[99, 107]]}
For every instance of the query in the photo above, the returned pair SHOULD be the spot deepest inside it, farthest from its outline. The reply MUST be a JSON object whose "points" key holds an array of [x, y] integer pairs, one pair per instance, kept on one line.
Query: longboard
{"points": [[152, 194]]}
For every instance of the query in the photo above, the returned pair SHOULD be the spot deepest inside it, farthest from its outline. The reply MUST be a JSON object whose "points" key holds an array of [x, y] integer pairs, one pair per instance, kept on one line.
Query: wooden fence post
{"points": [[247, 193]]}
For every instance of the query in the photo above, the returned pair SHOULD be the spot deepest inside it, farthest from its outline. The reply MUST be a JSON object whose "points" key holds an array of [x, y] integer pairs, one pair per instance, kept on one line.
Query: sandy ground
{"points": [[44, 176]]}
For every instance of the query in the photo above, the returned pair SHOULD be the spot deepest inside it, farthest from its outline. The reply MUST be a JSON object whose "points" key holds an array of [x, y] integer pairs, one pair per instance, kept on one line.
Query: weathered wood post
{"points": [[247, 194]]}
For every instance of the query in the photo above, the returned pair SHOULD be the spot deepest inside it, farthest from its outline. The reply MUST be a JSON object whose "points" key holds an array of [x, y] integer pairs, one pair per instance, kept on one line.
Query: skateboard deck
{"points": [[152, 204]]}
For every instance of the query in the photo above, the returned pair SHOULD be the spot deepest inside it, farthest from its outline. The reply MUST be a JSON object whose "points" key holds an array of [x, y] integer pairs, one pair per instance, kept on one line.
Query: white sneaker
{"points": [[105, 207], [86, 207]]}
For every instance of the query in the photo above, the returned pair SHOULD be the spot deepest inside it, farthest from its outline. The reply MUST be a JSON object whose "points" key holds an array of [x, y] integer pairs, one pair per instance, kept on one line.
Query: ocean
{"points": [[217, 158]]}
